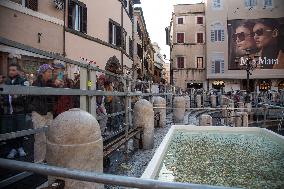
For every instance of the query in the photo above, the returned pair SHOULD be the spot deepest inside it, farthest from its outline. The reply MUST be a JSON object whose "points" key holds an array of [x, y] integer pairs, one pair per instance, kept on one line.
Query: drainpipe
{"points": [[64, 31], [134, 70], [122, 28]]}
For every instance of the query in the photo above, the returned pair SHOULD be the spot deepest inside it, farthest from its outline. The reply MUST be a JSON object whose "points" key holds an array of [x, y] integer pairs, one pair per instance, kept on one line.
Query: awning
{"points": [[18, 52]]}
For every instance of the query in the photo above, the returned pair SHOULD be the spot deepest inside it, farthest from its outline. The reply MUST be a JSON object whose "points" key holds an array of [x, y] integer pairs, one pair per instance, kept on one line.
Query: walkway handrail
{"points": [[31, 90], [98, 177]]}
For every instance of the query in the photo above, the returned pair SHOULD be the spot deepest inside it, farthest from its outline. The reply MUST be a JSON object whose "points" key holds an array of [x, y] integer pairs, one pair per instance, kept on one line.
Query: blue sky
{"points": [[157, 15]]}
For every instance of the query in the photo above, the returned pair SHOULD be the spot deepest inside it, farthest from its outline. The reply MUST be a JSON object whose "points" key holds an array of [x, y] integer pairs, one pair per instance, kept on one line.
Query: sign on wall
{"points": [[264, 38]]}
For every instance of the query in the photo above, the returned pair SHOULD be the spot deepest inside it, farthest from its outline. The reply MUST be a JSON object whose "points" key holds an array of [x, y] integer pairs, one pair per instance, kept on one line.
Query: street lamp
{"points": [[249, 66]]}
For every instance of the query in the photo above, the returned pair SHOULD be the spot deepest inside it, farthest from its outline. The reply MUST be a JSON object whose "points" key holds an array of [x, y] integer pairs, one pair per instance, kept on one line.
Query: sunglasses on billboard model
{"points": [[260, 32], [241, 36]]}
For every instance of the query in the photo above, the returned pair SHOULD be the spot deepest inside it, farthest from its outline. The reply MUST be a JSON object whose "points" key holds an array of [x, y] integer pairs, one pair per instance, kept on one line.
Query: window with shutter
{"points": [[130, 47], [250, 3], [84, 21], [32, 4], [70, 14], [213, 67], [200, 38], [217, 35], [222, 35], [199, 20], [118, 36], [77, 16], [216, 4], [217, 66], [110, 32], [199, 64], [180, 37], [212, 35], [268, 3], [180, 62], [180, 20], [222, 66]]}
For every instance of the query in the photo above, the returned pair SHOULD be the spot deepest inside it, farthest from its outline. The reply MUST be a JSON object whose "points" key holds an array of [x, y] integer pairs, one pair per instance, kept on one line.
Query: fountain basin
{"points": [[244, 157]]}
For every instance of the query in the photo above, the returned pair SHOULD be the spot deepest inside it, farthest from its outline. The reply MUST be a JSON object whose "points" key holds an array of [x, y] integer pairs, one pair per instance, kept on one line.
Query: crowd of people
{"points": [[15, 109]]}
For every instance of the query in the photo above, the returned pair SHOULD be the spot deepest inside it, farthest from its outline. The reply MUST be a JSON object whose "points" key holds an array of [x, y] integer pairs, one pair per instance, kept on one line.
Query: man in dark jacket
{"points": [[14, 118]]}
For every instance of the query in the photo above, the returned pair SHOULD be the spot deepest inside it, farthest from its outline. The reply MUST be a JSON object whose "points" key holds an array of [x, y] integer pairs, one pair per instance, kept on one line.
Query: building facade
{"points": [[92, 31], [167, 73], [36, 24], [143, 49], [159, 62], [187, 45], [236, 28]]}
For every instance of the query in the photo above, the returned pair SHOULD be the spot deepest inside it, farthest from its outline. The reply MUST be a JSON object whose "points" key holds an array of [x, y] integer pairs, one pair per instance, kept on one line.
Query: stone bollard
{"points": [[222, 98], [198, 101], [205, 120], [144, 118], [238, 119], [179, 110], [248, 107], [225, 114], [241, 119], [231, 113], [74, 141], [40, 121], [241, 106], [245, 119], [213, 100], [160, 111], [187, 103]]}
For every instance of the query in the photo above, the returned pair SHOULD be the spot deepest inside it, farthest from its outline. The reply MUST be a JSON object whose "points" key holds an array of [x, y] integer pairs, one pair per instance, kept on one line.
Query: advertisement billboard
{"points": [[258, 39]]}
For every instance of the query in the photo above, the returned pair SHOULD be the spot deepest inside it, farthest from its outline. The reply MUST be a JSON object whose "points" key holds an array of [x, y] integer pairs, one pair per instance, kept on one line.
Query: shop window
{"points": [[264, 85], [77, 16], [218, 84], [180, 62], [180, 37]]}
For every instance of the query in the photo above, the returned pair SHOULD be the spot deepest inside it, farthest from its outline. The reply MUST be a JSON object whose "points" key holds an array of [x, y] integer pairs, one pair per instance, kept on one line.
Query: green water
{"points": [[246, 160]]}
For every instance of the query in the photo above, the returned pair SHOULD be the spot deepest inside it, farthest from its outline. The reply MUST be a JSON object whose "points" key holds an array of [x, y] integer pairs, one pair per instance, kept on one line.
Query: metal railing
{"points": [[99, 177], [87, 93]]}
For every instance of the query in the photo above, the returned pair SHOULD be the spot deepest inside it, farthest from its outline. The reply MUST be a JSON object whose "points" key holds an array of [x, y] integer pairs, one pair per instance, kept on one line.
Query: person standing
{"points": [[14, 118], [42, 104], [60, 80]]}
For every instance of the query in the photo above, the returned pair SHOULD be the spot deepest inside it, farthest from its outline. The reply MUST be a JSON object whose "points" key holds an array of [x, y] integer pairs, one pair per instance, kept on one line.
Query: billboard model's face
{"points": [[244, 38], [262, 39], [263, 35]]}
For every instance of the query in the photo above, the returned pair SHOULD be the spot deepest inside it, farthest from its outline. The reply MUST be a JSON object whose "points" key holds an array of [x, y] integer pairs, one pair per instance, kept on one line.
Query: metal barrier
{"points": [[99, 177], [88, 93]]}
